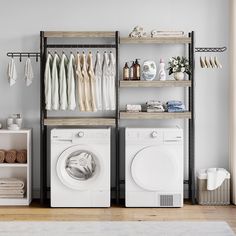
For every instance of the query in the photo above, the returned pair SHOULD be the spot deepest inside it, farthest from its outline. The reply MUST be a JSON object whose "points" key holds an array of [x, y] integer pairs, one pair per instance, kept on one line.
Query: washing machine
{"points": [[80, 167], [154, 167]]}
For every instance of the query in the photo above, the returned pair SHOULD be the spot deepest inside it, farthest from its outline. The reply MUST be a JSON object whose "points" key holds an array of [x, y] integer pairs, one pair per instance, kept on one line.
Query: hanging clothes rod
{"points": [[24, 54], [81, 46], [206, 49]]}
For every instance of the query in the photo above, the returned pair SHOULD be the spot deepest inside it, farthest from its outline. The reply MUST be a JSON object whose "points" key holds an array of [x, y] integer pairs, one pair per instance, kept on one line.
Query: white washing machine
{"points": [[80, 167], [154, 167]]}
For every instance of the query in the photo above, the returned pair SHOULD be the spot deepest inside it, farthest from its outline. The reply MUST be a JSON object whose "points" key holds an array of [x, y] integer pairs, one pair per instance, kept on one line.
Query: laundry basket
{"points": [[219, 196]]}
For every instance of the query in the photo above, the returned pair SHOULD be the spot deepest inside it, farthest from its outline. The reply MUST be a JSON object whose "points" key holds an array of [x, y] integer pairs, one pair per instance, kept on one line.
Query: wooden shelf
{"points": [[15, 201], [80, 121], [159, 40], [81, 34], [154, 84], [154, 116], [13, 165]]}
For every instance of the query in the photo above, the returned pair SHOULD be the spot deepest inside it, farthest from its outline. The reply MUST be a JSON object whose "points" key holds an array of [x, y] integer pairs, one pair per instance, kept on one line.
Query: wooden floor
{"points": [[187, 213]]}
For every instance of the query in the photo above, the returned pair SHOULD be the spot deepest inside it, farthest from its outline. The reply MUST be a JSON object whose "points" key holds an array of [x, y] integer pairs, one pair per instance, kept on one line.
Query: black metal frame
{"points": [[44, 46], [192, 192]]}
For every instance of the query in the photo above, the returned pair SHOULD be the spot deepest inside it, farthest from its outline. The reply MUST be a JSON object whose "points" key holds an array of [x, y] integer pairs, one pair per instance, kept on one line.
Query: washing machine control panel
{"points": [[80, 134], [154, 134]]}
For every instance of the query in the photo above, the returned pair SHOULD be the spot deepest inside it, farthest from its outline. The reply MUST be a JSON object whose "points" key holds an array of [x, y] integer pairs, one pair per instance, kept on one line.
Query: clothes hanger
{"points": [[202, 62], [208, 65], [217, 63], [212, 62]]}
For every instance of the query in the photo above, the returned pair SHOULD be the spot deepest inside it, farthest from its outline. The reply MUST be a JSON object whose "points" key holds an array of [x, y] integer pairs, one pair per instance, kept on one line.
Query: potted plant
{"points": [[178, 66]]}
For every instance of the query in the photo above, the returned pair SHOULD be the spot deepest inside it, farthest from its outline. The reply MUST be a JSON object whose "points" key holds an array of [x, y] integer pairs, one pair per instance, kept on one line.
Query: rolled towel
{"points": [[21, 156], [2, 156], [11, 156]]}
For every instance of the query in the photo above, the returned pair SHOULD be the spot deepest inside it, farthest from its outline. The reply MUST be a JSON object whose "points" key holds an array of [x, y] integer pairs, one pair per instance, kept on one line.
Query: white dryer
{"points": [[80, 167], [154, 167]]}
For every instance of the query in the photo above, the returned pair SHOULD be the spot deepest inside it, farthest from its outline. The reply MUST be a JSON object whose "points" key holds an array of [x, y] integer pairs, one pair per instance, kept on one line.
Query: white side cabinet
{"points": [[18, 140]]}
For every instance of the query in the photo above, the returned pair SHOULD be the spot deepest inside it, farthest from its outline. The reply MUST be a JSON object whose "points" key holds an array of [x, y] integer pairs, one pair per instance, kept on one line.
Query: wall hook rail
{"points": [[215, 49], [20, 55]]}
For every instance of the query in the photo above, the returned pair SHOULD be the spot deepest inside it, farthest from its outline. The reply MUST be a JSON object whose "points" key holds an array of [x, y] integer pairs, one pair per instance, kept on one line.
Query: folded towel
{"points": [[21, 156], [174, 103], [10, 156], [11, 191], [175, 109], [155, 110], [133, 108], [11, 182], [11, 72], [154, 102], [11, 195], [2, 156]]}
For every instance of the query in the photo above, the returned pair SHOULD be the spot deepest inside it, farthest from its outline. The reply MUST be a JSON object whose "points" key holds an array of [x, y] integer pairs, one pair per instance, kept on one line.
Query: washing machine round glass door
{"points": [[78, 167], [155, 168]]}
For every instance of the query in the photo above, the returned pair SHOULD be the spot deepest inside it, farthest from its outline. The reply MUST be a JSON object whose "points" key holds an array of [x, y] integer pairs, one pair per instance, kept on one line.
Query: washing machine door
{"points": [[155, 168], [78, 167]]}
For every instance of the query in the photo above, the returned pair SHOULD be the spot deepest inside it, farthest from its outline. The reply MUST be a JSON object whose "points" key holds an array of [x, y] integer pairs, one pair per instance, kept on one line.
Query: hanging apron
{"points": [[87, 93], [105, 78], [71, 83], [80, 84], [92, 82], [63, 83], [111, 82], [55, 83], [48, 83], [98, 80]]}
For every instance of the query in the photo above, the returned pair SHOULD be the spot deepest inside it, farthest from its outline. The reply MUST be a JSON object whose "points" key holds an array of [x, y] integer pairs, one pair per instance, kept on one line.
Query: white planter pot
{"points": [[179, 76]]}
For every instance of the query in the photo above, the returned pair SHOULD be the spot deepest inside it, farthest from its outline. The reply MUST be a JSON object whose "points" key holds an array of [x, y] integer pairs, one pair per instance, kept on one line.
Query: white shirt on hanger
{"points": [[63, 83], [29, 74], [55, 82], [98, 80], [48, 83], [112, 80], [71, 83], [11, 72]]}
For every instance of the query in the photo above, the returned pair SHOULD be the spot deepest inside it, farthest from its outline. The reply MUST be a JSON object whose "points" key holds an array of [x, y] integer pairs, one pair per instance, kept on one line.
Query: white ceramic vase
{"points": [[179, 75]]}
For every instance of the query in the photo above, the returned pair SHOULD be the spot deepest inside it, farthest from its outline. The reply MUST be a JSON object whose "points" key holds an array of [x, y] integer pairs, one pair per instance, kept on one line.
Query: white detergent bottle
{"points": [[162, 73]]}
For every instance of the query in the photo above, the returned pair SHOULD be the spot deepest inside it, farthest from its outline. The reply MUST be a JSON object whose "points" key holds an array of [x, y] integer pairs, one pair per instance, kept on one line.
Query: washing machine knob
{"points": [[80, 134], [154, 134]]}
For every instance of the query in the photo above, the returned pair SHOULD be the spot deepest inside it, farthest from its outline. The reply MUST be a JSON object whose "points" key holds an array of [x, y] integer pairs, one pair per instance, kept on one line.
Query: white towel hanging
{"points": [[98, 79], [48, 83], [55, 82], [71, 83], [80, 83], [11, 72], [92, 82], [29, 74], [63, 83]]}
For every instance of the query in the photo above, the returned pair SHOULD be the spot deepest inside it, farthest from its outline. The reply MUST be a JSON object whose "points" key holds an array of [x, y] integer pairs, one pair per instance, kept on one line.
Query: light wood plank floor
{"points": [[187, 213]]}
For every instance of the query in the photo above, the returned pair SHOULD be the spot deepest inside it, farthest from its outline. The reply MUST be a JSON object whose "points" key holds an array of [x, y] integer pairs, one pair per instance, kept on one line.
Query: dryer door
{"points": [[78, 167], [155, 168]]}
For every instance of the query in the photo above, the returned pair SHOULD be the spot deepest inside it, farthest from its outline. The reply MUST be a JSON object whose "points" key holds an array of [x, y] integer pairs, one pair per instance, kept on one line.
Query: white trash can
{"points": [[219, 196]]}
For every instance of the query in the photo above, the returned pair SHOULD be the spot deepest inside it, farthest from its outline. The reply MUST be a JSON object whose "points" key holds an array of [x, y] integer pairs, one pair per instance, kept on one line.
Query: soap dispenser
{"points": [[137, 70], [126, 72]]}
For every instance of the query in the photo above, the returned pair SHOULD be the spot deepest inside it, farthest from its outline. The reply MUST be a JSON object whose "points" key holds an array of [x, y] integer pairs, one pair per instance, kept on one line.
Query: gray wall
{"points": [[21, 21]]}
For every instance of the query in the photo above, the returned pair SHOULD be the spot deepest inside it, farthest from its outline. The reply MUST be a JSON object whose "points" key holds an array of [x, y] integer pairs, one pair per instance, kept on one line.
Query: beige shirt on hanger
{"points": [[92, 81], [105, 79], [80, 84], [87, 93]]}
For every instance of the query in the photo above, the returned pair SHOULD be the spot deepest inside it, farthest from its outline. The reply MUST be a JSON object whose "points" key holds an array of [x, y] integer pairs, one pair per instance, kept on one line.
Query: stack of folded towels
{"points": [[175, 106], [133, 108], [11, 188], [155, 106]]}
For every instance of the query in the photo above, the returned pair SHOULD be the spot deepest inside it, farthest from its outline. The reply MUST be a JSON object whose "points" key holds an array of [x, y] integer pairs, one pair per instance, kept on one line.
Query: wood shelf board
{"points": [[154, 83], [14, 201], [80, 121], [17, 165], [153, 116], [158, 40], [79, 34]]}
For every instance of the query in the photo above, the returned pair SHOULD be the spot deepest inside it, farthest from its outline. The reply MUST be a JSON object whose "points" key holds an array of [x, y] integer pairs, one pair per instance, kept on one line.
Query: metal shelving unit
{"points": [[189, 84], [47, 121]]}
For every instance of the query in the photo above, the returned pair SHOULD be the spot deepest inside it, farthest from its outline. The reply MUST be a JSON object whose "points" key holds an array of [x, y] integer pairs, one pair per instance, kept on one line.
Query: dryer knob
{"points": [[80, 134], [154, 134]]}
